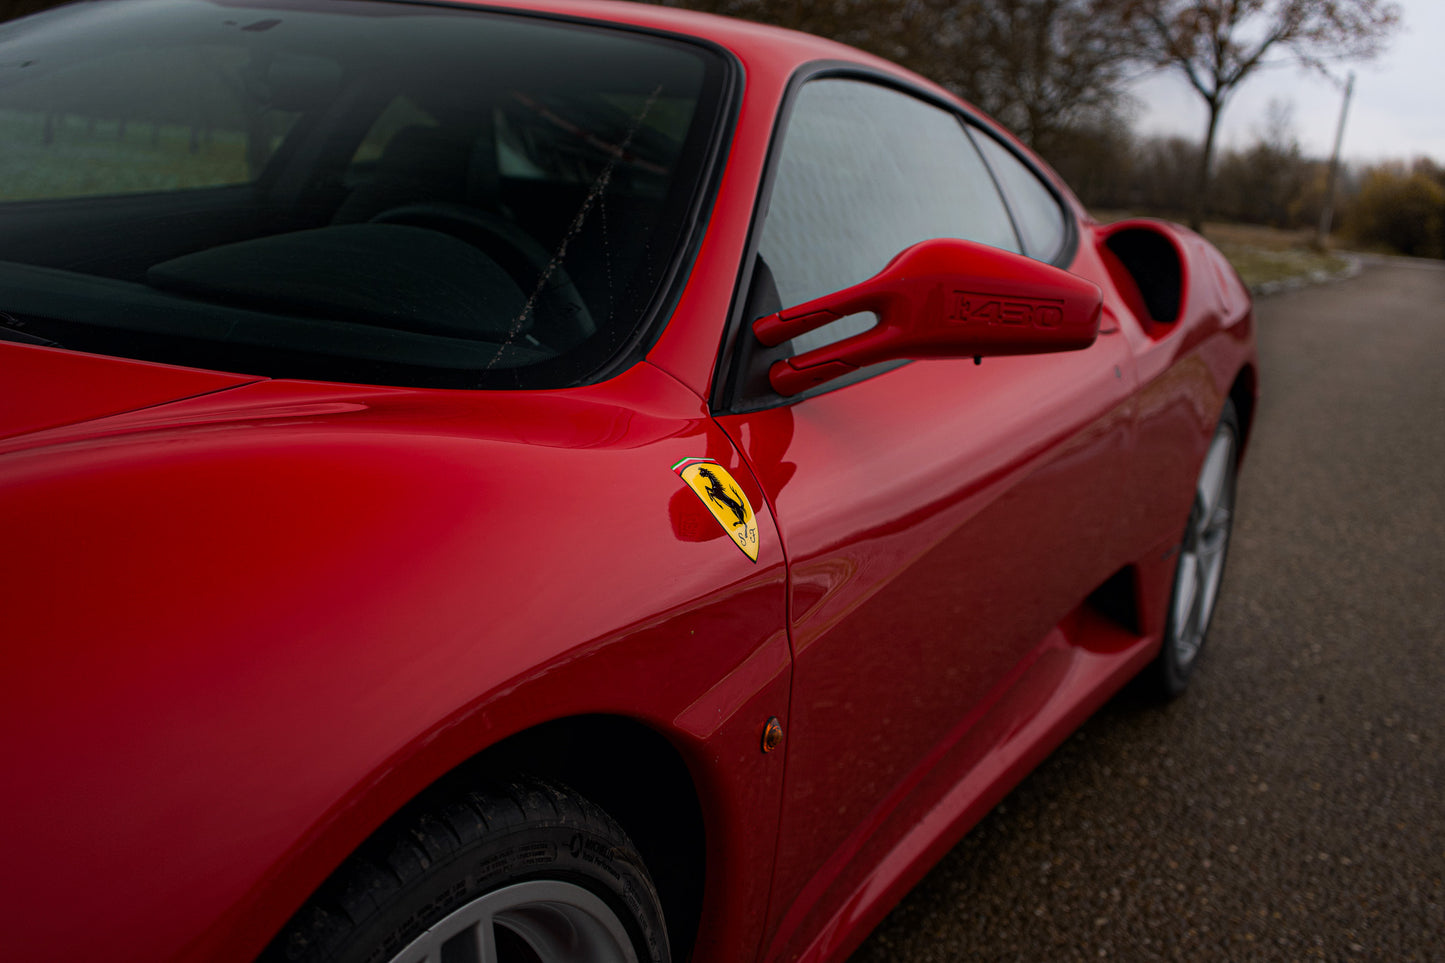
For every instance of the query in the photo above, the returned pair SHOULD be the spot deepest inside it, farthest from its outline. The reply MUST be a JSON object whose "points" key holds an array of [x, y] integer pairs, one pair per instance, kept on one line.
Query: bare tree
{"points": [[900, 30], [1046, 67], [1042, 67], [1217, 44], [1265, 182]]}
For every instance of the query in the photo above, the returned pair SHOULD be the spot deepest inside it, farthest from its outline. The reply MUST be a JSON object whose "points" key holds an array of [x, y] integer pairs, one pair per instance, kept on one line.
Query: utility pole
{"points": [[1328, 211]]}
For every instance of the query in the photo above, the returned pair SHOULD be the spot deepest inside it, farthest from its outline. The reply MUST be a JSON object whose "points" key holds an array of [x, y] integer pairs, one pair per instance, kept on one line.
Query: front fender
{"points": [[246, 629]]}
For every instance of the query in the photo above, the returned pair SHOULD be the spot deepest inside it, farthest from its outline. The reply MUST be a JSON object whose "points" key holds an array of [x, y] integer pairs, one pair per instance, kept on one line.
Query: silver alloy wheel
{"points": [[538, 920], [1201, 557]]}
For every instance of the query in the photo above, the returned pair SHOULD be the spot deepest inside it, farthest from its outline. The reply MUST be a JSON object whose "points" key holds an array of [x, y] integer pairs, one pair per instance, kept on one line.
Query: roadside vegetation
{"points": [[1390, 208], [1265, 257]]}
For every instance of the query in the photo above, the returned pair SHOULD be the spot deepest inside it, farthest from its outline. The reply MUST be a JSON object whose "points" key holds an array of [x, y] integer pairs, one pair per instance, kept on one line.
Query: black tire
{"points": [[1199, 569], [543, 871]]}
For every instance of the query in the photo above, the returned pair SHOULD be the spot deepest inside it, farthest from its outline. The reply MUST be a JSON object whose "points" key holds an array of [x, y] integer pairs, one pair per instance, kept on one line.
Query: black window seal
{"points": [[997, 181]]}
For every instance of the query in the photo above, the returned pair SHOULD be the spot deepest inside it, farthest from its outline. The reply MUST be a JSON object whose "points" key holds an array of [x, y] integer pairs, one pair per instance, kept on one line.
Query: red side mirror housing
{"points": [[942, 298]]}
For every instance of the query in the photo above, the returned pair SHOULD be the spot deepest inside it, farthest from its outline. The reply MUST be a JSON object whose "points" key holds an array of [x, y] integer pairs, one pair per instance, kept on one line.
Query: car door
{"points": [[941, 518]]}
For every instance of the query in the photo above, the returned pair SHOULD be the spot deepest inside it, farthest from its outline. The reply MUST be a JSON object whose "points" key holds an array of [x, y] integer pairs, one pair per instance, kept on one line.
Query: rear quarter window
{"points": [[1037, 212]]}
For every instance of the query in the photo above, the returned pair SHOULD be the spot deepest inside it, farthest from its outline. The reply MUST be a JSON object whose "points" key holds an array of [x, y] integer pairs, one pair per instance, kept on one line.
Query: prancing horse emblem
{"points": [[724, 498], [719, 493]]}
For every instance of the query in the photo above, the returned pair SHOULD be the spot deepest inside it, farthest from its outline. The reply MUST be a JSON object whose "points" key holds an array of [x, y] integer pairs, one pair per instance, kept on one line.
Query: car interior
{"points": [[483, 223]]}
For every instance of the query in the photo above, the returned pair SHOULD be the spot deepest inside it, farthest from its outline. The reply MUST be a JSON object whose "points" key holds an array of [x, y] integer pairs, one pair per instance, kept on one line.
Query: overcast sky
{"points": [[1398, 108]]}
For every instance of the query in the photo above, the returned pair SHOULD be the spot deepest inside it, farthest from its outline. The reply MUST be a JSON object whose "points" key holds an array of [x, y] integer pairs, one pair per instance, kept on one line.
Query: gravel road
{"points": [[1289, 806]]}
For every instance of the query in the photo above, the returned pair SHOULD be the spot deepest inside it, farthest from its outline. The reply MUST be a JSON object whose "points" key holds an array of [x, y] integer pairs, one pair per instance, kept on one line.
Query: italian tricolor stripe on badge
{"points": [[722, 495]]}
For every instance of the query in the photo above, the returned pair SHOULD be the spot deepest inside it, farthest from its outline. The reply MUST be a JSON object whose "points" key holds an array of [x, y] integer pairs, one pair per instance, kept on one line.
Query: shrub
{"points": [[1403, 210]]}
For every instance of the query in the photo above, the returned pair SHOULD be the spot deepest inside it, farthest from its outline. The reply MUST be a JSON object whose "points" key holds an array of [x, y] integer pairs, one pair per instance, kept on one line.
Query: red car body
{"points": [[248, 619]]}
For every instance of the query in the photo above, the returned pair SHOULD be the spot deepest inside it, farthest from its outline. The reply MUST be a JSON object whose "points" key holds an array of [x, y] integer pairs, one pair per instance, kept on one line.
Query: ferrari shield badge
{"points": [[724, 498]]}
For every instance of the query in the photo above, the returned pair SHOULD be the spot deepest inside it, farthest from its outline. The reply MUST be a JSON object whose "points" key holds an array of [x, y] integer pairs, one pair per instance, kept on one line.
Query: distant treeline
{"points": [[1394, 206]]}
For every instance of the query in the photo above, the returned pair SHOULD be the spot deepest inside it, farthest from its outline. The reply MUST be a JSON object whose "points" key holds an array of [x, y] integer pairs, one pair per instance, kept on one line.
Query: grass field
{"points": [[1265, 255], [84, 157]]}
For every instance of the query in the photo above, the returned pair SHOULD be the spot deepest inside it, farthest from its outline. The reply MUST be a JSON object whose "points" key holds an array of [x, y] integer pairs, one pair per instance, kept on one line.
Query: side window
{"points": [[864, 172], [1036, 210]]}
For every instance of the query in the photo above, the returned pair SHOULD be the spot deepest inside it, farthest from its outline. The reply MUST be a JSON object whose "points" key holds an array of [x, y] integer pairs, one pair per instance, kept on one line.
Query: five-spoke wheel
{"points": [[1200, 566], [521, 871]]}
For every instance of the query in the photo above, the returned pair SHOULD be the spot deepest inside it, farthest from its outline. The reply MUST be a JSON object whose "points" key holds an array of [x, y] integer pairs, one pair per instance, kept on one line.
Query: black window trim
{"points": [[725, 395]]}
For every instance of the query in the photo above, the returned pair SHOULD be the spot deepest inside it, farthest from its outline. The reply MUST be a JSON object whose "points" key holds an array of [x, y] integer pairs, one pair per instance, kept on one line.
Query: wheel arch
{"points": [[641, 780], [1244, 392], [625, 767]]}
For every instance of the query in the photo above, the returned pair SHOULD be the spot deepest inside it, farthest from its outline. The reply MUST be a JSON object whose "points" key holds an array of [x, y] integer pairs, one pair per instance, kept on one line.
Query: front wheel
{"points": [[1200, 567], [524, 872]]}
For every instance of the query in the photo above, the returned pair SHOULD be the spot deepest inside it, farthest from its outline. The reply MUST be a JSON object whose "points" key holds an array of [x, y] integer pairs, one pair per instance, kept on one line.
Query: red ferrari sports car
{"points": [[565, 480]]}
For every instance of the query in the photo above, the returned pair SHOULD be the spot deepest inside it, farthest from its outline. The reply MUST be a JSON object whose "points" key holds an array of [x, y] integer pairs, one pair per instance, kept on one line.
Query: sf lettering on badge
{"points": [[724, 498]]}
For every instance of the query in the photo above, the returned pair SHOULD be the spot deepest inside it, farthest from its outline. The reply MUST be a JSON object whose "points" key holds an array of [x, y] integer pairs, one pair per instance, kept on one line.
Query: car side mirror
{"points": [[942, 298]]}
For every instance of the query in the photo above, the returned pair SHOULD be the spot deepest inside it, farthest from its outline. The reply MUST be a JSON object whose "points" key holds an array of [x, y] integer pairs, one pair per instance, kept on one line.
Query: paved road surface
{"points": [[1292, 805]]}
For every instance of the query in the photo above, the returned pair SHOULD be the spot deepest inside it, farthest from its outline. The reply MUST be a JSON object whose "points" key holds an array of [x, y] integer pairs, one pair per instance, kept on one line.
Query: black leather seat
{"points": [[428, 164]]}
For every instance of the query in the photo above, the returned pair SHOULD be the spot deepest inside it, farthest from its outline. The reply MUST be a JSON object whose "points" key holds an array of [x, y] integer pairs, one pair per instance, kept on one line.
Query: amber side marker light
{"points": [[772, 734]]}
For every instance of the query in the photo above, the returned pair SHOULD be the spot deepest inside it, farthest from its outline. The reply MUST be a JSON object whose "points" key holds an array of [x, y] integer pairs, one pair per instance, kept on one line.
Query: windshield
{"points": [[355, 191]]}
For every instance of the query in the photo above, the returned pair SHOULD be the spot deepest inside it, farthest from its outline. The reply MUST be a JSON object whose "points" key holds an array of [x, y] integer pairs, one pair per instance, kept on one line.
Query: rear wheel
{"points": [[1200, 567], [526, 871]]}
